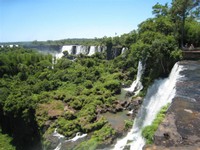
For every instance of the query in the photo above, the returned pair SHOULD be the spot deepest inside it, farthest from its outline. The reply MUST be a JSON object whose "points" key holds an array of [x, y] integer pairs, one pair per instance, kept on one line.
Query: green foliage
{"points": [[113, 85], [5, 142], [148, 131], [160, 10], [88, 145], [128, 124], [192, 32], [179, 11], [68, 128]]}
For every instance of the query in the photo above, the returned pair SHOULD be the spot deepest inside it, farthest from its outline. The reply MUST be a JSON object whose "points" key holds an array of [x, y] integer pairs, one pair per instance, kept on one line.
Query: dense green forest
{"points": [[37, 96]]}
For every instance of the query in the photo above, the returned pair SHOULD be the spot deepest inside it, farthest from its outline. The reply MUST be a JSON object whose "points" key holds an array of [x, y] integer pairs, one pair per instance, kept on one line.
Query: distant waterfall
{"points": [[84, 49], [136, 86], [80, 49], [99, 49], [124, 49], [158, 95], [92, 50], [67, 48]]}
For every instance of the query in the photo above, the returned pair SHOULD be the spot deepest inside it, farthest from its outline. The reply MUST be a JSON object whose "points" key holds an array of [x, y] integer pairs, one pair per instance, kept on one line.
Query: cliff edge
{"points": [[180, 128]]}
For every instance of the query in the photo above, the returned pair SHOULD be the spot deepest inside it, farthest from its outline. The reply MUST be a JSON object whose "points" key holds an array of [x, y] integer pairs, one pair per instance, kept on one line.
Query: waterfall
{"points": [[99, 49], [158, 95], [67, 48], [78, 49], [123, 50], [136, 86], [92, 50], [64, 48], [84, 50]]}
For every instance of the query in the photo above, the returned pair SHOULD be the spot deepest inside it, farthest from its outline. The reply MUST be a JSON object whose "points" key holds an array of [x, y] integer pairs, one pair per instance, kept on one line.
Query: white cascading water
{"points": [[84, 49], [61, 138], [99, 49], [158, 95], [136, 86], [78, 49], [64, 48], [123, 50], [92, 50]]}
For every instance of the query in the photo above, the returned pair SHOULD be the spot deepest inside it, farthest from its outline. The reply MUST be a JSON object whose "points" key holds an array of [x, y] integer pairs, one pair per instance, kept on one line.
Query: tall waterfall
{"points": [[136, 86], [158, 95]]}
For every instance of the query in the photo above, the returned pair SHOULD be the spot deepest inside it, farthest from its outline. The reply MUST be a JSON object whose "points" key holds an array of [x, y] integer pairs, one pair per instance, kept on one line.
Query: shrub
{"points": [[5, 142], [128, 124]]}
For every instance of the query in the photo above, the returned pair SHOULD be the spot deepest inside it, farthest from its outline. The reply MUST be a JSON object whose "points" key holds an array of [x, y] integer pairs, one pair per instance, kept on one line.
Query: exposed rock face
{"points": [[180, 128]]}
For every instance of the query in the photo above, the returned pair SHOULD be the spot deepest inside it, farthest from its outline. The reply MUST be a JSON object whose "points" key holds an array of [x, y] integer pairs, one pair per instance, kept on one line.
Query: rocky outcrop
{"points": [[131, 105], [180, 128]]}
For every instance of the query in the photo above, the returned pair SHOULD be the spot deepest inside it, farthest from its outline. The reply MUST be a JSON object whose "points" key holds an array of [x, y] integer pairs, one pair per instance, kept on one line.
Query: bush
{"points": [[128, 124], [113, 85], [5, 142]]}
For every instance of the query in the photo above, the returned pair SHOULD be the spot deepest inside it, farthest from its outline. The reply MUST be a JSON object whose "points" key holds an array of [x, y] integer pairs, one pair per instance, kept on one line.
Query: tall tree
{"points": [[180, 10]]}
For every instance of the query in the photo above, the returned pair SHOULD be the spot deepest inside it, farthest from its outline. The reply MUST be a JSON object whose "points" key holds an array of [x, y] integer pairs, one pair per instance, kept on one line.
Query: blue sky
{"points": [[28, 20]]}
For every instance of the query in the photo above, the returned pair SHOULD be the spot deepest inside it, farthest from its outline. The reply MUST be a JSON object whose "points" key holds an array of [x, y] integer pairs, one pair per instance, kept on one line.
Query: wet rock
{"points": [[130, 107], [125, 104], [53, 142], [129, 94], [118, 108], [127, 147]]}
